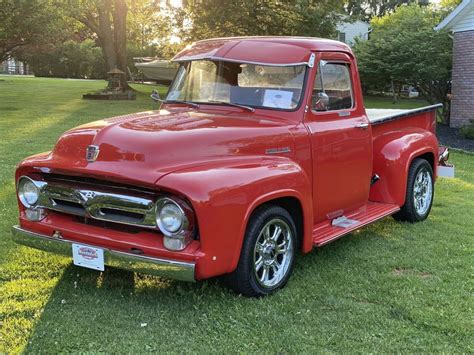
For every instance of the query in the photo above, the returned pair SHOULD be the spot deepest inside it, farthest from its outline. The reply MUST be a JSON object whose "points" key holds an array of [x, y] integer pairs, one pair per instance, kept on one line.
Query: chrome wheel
{"points": [[273, 253], [422, 191]]}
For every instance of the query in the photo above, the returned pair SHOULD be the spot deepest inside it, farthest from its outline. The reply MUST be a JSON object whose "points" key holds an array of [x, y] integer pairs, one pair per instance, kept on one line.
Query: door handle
{"points": [[363, 125]]}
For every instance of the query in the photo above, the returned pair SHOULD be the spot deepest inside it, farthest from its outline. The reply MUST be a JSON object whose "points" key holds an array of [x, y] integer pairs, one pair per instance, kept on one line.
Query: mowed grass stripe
{"points": [[391, 287]]}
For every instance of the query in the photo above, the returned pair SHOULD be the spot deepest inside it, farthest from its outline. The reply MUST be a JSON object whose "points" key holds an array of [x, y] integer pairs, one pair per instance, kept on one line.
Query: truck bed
{"points": [[389, 120], [377, 116]]}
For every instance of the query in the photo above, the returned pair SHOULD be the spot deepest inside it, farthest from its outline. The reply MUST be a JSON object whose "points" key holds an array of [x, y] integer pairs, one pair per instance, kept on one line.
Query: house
{"points": [[13, 66], [461, 23], [347, 32]]}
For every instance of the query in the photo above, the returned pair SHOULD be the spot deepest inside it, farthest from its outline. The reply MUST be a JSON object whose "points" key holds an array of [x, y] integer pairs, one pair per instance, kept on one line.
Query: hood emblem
{"points": [[92, 153], [279, 150], [86, 195]]}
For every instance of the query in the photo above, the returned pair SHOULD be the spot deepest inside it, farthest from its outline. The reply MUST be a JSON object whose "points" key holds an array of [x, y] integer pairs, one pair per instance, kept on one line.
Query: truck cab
{"points": [[262, 148]]}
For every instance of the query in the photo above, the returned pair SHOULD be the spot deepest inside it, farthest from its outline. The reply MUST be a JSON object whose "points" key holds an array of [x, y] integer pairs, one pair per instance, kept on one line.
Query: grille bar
{"points": [[98, 204]]}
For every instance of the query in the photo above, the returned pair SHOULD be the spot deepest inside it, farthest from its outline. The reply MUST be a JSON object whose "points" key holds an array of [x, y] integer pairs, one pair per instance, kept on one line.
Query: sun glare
{"points": [[176, 3]]}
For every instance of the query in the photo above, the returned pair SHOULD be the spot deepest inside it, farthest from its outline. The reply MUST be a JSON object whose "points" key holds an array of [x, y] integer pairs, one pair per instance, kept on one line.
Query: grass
{"points": [[391, 287], [387, 102]]}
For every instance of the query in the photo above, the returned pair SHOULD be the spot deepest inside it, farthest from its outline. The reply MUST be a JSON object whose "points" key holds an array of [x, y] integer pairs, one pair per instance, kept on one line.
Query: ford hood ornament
{"points": [[92, 153]]}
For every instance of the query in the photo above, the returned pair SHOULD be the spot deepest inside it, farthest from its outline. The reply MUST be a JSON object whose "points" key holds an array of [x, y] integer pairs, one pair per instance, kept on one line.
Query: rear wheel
{"points": [[420, 192], [267, 255]]}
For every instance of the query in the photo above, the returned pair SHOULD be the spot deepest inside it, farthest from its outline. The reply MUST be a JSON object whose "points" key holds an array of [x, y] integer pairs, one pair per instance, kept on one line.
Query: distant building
{"points": [[461, 23], [347, 32], [12, 66]]}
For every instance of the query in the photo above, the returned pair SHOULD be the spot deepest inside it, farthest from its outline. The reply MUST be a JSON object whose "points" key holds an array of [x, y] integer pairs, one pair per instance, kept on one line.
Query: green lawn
{"points": [[387, 102], [391, 287]]}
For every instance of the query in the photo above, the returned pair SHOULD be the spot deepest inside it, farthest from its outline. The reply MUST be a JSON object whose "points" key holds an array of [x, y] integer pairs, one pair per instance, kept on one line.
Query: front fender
{"points": [[393, 155], [224, 194]]}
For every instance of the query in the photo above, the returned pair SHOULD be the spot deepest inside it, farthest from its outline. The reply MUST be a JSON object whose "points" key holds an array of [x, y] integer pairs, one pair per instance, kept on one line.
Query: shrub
{"points": [[468, 131], [70, 59]]}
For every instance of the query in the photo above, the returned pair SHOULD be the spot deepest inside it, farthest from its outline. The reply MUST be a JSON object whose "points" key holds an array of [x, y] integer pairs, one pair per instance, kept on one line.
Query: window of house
{"points": [[341, 36], [332, 87]]}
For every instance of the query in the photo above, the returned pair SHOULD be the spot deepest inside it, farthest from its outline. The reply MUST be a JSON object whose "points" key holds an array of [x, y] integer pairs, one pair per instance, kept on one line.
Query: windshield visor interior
{"points": [[255, 85]]}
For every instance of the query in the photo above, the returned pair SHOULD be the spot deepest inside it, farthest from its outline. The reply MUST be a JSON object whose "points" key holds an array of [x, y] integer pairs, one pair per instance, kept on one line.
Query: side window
{"points": [[332, 87]]}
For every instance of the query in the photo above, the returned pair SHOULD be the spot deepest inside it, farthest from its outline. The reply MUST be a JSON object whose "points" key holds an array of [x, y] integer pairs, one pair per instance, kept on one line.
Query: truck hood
{"points": [[145, 146]]}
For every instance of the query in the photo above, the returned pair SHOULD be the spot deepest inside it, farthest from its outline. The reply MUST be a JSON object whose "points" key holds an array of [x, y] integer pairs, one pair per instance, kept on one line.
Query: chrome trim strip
{"points": [[177, 270], [213, 57], [405, 114], [444, 157]]}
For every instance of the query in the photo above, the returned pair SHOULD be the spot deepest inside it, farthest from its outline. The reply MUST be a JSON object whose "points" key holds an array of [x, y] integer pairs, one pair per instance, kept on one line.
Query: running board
{"points": [[327, 231]]}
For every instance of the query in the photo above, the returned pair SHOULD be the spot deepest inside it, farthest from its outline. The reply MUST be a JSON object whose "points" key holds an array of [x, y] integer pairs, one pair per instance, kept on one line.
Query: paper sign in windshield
{"points": [[278, 99]]}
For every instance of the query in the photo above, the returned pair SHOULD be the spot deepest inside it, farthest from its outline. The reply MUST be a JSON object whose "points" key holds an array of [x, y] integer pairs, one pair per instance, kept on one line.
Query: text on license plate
{"points": [[89, 257]]}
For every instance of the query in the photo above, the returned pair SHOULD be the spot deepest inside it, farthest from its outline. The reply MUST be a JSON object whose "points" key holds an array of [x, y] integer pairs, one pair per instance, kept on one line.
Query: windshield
{"points": [[254, 85]]}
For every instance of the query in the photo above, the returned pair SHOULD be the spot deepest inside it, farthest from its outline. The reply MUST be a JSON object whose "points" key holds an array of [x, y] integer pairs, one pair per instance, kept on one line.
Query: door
{"points": [[341, 140]]}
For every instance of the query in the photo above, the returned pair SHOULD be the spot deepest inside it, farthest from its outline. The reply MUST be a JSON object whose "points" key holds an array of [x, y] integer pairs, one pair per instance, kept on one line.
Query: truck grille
{"points": [[136, 208]]}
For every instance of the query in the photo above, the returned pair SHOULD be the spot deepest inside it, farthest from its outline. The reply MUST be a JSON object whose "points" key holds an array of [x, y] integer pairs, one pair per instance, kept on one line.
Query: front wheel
{"points": [[420, 192], [267, 255]]}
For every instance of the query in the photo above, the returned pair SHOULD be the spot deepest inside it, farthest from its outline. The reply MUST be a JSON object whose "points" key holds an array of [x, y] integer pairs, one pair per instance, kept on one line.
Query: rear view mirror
{"points": [[322, 102], [155, 95]]}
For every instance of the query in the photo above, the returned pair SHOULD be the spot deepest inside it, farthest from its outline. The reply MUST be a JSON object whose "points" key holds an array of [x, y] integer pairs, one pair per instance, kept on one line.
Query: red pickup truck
{"points": [[261, 148]]}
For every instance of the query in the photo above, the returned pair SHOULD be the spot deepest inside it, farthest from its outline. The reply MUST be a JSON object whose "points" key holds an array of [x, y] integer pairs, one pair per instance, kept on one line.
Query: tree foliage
{"points": [[367, 9], [71, 59], [27, 23], [404, 48], [107, 20], [223, 18]]}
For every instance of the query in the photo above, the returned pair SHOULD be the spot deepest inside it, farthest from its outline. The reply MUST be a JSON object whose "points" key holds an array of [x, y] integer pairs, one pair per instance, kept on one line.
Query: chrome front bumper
{"points": [[170, 269]]}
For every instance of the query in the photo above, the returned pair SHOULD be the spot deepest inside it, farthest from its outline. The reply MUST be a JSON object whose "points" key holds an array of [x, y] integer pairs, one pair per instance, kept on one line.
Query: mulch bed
{"points": [[452, 138]]}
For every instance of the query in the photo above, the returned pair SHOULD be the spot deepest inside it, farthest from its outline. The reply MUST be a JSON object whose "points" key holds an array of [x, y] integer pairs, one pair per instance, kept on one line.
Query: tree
{"points": [[107, 19], [367, 9], [70, 59], [216, 18], [26, 23], [405, 49], [151, 29]]}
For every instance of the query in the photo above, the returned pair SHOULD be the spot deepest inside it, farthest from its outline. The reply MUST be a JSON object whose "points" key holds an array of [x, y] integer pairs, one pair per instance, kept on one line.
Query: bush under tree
{"points": [[403, 49]]}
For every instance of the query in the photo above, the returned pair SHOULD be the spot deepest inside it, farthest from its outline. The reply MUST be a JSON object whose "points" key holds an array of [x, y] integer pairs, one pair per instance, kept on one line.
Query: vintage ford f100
{"points": [[261, 148]]}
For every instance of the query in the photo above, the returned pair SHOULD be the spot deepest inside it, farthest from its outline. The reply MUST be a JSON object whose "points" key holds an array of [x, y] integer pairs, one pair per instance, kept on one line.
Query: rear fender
{"points": [[224, 194], [393, 155]]}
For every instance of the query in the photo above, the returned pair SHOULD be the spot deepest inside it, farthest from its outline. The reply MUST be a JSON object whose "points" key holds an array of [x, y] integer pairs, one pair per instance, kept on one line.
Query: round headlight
{"points": [[28, 192], [169, 216]]}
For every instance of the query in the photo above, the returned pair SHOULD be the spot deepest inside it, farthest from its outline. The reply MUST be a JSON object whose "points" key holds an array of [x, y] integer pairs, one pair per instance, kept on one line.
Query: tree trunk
{"points": [[105, 34], [111, 28], [120, 38], [394, 93]]}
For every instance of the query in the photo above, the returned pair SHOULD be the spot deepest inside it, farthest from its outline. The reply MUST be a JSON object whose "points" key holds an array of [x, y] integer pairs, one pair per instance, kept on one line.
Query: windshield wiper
{"points": [[190, 103], [251, 109]]}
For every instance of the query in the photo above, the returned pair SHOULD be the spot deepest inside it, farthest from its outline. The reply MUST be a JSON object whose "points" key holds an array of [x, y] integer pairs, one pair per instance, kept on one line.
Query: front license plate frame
{"points": [[88, 257]]}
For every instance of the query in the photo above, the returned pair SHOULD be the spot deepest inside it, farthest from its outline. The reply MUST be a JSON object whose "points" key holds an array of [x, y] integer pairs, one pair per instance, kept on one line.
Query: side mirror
{"points": [[322, 102], [155, 96]]}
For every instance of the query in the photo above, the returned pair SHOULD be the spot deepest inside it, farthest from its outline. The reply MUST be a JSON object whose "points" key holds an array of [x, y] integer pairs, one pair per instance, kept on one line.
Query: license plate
{"points": [[446, 171], [89, 257]]}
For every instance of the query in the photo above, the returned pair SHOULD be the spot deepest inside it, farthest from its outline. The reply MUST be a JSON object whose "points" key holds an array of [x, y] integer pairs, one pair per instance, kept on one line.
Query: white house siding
{"points": [[352, 30], [465, 23]]}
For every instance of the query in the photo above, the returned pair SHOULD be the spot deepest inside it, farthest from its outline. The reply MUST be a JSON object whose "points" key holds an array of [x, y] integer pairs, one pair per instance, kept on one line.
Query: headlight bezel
{"points": [[22, 181], [183, 210]]}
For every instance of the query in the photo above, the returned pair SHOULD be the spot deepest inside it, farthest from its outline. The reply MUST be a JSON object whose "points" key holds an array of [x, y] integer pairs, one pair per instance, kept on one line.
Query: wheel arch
{"points": [[225, 194], [429, 157], [393, 155], [293, 205]]}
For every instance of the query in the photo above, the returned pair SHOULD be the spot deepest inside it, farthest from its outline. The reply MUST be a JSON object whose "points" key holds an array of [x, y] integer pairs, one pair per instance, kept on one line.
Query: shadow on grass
{"points": [[120, 310]]}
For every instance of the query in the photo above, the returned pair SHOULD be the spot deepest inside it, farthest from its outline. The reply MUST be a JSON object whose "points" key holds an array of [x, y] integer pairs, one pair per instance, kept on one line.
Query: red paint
{"points": [[215, 157]]}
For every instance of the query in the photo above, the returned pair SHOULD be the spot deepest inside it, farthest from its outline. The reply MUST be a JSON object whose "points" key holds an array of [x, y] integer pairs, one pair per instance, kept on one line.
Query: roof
{"points": [[261, 50], [460, 19]]}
